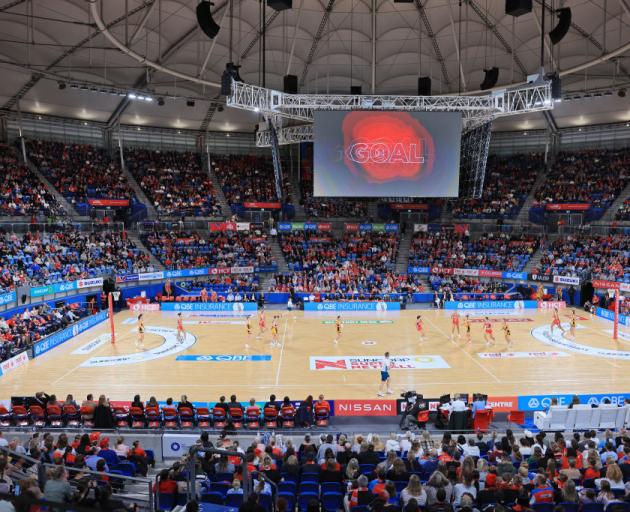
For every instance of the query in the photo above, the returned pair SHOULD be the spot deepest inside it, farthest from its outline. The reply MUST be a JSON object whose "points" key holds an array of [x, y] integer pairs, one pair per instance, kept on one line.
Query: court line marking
{"points": [[464, 351], [284, 336]]}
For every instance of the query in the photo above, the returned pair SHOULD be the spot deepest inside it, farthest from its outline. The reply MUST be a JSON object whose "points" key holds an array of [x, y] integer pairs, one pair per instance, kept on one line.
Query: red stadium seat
{"points": [[287, 415], [270, 415], [87, 414], [186, 417], [37, 415], [219, 417], [322, 415], [252, 418], [20, 416], [171, 417], [483, 419], [72, 417], [6, 417], [121, 416], [138, 419], [54, 414], [236, 417], [153, 417], [204, 418], [517, 417]]}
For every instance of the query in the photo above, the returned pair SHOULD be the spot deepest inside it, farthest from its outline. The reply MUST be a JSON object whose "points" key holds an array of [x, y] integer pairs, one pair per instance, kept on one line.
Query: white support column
{"points": [[373, 11]]}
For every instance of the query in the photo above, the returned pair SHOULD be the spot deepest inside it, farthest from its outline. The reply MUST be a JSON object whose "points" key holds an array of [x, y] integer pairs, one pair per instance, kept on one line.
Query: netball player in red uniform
{"points": [[487, 331], [420, 328], [555, 322], [181, 335], [262, 324], [455, 325]]}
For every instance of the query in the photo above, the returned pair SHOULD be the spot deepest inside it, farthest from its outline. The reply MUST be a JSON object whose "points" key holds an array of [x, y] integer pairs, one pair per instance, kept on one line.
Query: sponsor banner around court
{"points": [[209, 306], [14, 362], [566, 280], [574, 207], [116, 203], [610, 315], [263, 205], [6, 298], [90, 346], [40, 291], [368, 407], [540, 402], [378, 228], [304, 226], [89, 283], [222, 358], [228, 226], [411, 362], [491, 304], [468, 272], [611, 285], [552, 304], [540, 278], [176, 445], [144, 307], [359, 322], [54, 340], [418, 270], [521, 355], [149, 276], [352, 306]]}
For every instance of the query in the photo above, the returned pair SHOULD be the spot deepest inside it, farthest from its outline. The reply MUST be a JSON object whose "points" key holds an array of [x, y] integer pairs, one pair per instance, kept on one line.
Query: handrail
{"points": [[191, 467]]}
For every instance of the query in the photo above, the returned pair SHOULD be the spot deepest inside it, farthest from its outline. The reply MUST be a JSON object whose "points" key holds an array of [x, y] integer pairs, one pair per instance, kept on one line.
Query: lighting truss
{"points": [[474, 149], [279, 107]]}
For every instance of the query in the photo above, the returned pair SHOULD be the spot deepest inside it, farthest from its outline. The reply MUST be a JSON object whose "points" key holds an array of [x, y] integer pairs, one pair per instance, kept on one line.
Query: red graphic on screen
{"points": [[384, 146]]}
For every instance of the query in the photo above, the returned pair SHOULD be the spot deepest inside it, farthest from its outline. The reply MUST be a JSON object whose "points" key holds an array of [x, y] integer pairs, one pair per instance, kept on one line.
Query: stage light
{"points": [[132, 96], [205, 21], [621, 93], [356, 90], [563, 26], [140, 97], [190, 103], [61, 85], [160, 101], [148, 99], [491, 78], [290, 84], [256, 109], [230, 72]]}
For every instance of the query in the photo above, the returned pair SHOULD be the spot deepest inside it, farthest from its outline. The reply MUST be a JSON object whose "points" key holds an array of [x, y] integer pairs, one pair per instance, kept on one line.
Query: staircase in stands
{"points": [[133, 237], [226, 211], [402, 260], [296, 194], [609, 216], [69, 209], [534, 261], [142, 197], [278, 257], [523, 216]]}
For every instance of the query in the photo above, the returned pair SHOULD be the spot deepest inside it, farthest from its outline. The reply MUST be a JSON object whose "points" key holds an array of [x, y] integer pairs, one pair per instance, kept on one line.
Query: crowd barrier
{"points": [[209, 306], [56, 339]]}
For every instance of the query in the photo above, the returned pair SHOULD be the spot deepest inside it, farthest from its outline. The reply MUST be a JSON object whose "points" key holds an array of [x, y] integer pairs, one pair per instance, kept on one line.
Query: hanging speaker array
{"points": [[563, 26], [491, 78], [205, 21]]}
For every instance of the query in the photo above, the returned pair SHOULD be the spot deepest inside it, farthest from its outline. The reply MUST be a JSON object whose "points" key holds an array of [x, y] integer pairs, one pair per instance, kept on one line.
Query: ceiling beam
{"points": [[258, 35], [434, 43], [151, 5], [35, 78], [143, 80], [493, 28], [316, 38], [11, 4]]}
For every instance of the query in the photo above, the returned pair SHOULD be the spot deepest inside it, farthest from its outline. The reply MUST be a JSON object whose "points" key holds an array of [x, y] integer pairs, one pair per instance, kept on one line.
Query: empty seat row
{"points": [[583, 417]]}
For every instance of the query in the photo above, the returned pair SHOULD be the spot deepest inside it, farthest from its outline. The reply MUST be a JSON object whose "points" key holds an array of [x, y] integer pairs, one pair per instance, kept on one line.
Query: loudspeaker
{"points": [[563, 26], [517, 8], [491, 78], [280, 5], [556, 87], [290, 84], [356, 90], [231, 71], [205, 21], [424, 86]]}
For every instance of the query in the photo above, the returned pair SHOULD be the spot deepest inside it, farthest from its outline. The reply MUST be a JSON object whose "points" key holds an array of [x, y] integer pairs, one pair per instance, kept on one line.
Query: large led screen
{"points": [[386, 154]]}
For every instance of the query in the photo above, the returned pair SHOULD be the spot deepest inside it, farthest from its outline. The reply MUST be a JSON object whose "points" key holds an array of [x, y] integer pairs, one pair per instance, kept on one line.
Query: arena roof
{"points": [[45, 42]]}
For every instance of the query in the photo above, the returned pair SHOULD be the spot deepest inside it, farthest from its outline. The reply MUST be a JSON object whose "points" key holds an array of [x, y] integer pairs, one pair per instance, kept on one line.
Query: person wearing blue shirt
{"points": [[478, 405]]}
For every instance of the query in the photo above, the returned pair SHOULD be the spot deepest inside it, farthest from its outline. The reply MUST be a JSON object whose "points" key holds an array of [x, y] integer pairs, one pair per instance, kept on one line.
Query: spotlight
{"points": [[556, 86], [205, 21], [148, 99], [160, 101], [424, 86], [61, 85], [141, 98], [131, 96], [190, 103], [621, 93], [491, 78], [563, 26]]}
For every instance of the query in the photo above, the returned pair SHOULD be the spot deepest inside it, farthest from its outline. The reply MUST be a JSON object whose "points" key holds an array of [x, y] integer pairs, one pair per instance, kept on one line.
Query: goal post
{"points": [[111, 298], [616, 318]]}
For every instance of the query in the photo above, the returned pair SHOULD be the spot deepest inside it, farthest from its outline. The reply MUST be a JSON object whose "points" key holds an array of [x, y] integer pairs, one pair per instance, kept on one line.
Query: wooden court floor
{"points": [[308, 362]]}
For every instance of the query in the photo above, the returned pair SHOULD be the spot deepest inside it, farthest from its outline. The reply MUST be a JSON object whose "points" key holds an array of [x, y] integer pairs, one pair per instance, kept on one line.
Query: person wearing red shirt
{"points": [[362, 489], [543, 492]]}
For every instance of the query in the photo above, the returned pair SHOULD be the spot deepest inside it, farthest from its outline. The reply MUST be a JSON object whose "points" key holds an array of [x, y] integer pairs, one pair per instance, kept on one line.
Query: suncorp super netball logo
{"points": [[382, 147]]}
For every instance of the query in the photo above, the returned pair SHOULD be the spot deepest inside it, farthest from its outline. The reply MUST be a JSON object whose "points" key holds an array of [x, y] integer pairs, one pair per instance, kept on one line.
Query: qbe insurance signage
{"points": [[64, 335], [325, 363]]}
